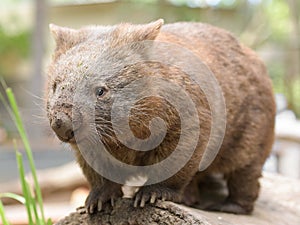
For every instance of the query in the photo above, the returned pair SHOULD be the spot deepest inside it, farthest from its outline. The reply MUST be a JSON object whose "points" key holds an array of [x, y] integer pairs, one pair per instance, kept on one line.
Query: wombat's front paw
{"points": [[100, 196], [152, 193]]}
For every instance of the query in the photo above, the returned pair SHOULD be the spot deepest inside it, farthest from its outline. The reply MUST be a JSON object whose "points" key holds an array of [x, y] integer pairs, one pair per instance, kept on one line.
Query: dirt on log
{"points": [[278, 204]]}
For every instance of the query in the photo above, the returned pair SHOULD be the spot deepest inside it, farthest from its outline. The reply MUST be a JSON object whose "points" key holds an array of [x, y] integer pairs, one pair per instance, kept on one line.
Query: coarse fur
{"points": [[89, 53]]}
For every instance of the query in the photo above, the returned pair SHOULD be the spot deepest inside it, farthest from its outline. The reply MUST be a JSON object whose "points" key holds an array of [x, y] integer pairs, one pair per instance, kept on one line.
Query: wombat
{"points": [[106, 58]]}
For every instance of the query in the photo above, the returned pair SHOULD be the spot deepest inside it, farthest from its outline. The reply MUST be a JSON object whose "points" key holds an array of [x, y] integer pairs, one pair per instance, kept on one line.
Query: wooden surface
{"points": [[278, 204]]}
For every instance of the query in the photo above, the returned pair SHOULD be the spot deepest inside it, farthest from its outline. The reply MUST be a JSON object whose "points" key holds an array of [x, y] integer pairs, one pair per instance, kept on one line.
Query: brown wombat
{"points": [[104, 60]]}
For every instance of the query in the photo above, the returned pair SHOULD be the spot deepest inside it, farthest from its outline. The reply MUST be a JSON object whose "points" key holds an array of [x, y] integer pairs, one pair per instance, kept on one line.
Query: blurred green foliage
{"points": [[15, 37], [278, 17], [13, 48], [18, 43]]}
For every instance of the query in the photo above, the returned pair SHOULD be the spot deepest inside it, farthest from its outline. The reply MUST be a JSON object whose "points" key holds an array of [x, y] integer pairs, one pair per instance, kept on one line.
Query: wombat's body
{"points": [[241, 75]]}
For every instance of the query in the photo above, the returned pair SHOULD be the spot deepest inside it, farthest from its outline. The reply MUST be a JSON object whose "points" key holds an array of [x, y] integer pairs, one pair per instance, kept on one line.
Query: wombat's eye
{"points": [[54, 86], [99, 92]]}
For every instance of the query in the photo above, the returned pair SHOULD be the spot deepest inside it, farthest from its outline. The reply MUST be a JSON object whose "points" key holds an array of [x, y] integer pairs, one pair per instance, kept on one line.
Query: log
{"points": [[124, 214], [279, 203]]}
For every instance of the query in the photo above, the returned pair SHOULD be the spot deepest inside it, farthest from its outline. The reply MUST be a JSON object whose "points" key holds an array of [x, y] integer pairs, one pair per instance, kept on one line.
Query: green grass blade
{"points": [[32, 204], [3, 83], [24, 186], [20, 127], [2, 215], [6, 105], [16, 197], [49, 222]]}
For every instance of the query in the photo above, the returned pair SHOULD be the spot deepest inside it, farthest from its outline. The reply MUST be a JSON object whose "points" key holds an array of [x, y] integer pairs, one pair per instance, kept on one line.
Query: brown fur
{"points": [[244, 82]]}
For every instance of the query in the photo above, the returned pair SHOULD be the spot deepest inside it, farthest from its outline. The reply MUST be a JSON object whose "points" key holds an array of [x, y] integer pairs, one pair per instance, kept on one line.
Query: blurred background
{"points": [[270, 27]]}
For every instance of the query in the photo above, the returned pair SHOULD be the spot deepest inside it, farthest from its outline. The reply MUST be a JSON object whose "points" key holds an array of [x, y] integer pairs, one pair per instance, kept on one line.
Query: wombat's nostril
{"points": [[62, 126], [58, 123], [69, 134]]}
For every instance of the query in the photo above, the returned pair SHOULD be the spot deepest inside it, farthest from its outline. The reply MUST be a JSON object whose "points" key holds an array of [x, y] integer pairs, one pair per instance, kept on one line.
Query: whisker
{"points": [[32, 94]]}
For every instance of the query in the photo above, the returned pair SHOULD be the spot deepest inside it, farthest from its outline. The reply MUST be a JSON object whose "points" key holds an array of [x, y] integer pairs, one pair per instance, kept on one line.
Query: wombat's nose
{"points": [[62, 126]]}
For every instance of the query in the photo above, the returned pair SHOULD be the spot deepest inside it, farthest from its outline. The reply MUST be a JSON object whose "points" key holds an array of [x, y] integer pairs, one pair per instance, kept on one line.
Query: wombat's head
{"points": [[90, 67]]}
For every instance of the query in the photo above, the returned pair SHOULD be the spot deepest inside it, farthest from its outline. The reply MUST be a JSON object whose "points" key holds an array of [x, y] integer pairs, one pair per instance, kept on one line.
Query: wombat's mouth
{"points": [[73, 137], [69, 137]]}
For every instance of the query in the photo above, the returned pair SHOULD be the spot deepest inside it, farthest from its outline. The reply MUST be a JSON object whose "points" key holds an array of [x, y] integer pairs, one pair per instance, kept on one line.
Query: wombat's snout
{"points": [[62, 126]]}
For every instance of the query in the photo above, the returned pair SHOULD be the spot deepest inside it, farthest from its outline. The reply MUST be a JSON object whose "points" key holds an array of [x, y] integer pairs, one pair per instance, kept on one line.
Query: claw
{"points": [[99, 205], [143, 201], [91, 209], [164, 196], [137, 198], [112, 202], [153, 198]]}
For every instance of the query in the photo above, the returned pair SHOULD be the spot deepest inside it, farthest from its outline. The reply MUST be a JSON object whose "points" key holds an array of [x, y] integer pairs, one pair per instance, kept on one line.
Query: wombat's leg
{"points": [[243, 187], [204, 189], [191, 194], [99, 195]]}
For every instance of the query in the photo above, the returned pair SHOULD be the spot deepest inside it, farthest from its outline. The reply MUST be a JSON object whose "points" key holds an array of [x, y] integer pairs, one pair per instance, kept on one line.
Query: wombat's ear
{"points": [[127, 32], [150, 31], [65, 38]]}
